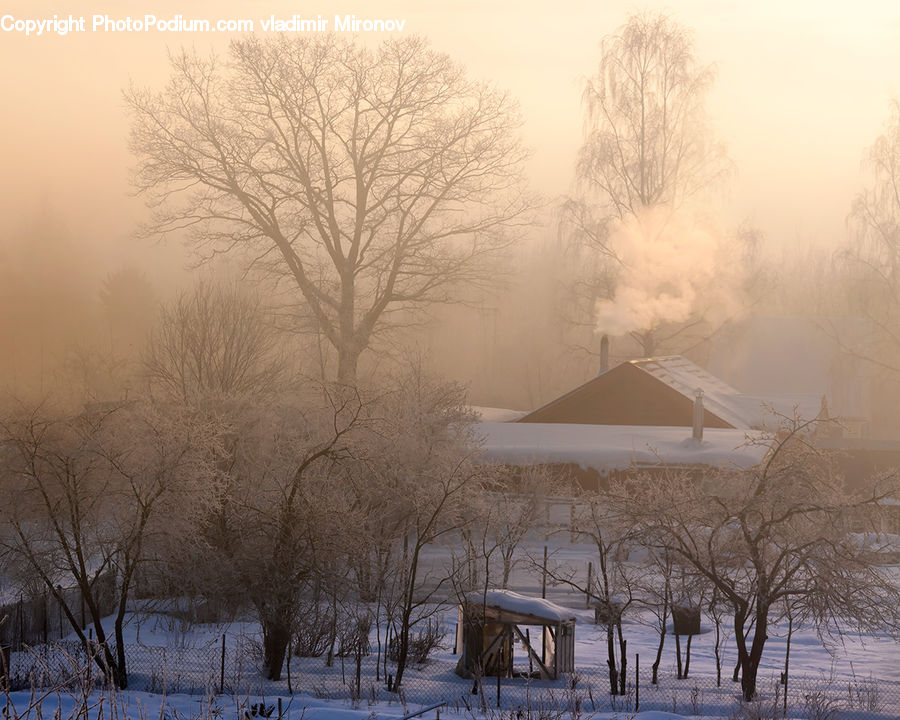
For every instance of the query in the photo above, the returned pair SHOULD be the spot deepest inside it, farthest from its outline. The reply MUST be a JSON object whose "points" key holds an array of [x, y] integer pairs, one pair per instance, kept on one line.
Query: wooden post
{"points": [[587, 590], [289, 653], [498, 687], [637, 682], [46, 621], [222, 669], [280, 713], [530, 660], [544, 575], [4, 673]]}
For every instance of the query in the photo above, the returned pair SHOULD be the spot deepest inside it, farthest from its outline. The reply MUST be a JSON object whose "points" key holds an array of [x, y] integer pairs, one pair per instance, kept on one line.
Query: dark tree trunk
{"points": [[276, 635], [611, 659], [275, 642], [750, 660], [678, 656], [687, 657], [662, 634]]}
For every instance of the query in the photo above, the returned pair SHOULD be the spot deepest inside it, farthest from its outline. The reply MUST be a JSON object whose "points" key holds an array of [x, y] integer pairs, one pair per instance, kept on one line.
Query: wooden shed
{"points": [[489, 629]]}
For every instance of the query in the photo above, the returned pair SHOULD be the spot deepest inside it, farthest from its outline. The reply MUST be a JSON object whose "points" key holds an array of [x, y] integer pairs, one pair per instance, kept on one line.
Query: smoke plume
{"points": [[674, 267]]}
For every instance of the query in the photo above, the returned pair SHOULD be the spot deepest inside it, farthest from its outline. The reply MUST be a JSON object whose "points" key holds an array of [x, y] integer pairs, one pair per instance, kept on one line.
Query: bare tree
{"points": [[773, 533], [278, 520], [372, 179], [423, 454], [600, 521], [84, 496], [873, 256], [647, 145], [216, 340], [648, 142]]}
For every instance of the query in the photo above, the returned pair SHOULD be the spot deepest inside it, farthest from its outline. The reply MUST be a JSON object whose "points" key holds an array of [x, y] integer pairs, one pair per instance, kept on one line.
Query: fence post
{"points": [[544, 575], [46, 622], [587, 589], [637, 682], [222, 669], [21, 614], [5, 656]]}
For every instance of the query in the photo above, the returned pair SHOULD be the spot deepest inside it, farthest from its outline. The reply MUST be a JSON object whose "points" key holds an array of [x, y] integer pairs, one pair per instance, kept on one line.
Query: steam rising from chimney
{"points": [[673, 267]]}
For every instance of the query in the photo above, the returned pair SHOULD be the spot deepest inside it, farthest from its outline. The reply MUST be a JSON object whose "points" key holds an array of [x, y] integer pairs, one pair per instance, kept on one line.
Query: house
{"points": [[661, 392]]}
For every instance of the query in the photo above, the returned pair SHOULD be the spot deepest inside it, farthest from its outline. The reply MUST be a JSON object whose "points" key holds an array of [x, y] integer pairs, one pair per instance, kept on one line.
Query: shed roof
{"points": [[512, 607]]}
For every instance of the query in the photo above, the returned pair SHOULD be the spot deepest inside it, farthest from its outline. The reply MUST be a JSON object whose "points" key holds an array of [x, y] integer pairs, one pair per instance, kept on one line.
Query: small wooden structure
{"points": [[488, 630], [686, 619]]}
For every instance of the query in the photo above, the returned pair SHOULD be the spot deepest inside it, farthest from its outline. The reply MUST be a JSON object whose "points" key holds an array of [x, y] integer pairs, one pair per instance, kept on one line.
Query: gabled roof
{"points": [[660, 391], [686, 377]]}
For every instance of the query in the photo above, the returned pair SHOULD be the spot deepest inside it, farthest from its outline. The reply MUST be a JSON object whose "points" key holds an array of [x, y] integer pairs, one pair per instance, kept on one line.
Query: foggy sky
{"points": [[801, 92]]}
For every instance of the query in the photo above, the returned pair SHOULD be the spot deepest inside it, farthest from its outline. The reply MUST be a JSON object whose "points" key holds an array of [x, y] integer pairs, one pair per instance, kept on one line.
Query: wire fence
{"points": [[235, 667], [38, 620]]}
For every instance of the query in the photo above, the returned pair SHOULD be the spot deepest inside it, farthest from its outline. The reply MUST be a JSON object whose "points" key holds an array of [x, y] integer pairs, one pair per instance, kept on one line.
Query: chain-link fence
{"points": [[40, 619], [233, 665]]}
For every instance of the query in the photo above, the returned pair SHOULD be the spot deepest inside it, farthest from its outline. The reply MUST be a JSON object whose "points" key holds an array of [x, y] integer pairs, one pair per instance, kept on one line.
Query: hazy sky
{"points": [[802, 89]]}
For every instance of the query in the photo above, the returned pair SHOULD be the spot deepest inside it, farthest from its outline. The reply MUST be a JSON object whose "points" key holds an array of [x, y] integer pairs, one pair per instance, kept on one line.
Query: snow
{"points": [[492, 414], [738, 409], [515, 603], [618, 447], [139, 706], [186, 655]]}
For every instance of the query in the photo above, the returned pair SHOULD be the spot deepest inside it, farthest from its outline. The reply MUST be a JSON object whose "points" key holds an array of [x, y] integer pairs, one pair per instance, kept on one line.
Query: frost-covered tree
{"points": [[279, 520], [85, 495], [779, 532], [427, 458]]}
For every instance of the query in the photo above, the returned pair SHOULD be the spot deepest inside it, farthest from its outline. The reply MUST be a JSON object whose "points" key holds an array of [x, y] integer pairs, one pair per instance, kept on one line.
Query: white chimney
{"points": [[698, 415]]}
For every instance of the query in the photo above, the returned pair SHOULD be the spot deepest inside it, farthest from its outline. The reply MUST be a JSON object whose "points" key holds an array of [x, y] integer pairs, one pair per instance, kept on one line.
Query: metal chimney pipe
{"points": [[698, 415], [604, 354]]}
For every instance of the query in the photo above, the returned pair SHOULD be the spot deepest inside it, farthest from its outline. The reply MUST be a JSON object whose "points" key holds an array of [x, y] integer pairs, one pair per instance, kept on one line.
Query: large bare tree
{"points": [[373, 179]]}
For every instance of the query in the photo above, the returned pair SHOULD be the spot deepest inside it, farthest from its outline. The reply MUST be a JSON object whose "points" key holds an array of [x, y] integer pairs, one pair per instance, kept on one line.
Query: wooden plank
{"points": [[532, 654]]}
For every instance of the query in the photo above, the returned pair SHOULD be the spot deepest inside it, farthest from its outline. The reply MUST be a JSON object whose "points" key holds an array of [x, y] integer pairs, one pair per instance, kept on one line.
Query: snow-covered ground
{"points": [[185, 661]]}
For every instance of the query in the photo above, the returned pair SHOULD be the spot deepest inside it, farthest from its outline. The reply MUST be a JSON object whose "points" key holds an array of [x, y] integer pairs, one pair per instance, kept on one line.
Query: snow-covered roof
{"points": [[737, 409], [513, 602], [617, 447], [492, 414]]}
